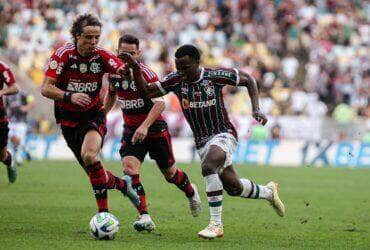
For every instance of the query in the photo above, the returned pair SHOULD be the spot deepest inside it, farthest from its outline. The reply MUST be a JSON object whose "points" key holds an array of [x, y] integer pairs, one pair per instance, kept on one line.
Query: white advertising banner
{"points": [[276, 153]]}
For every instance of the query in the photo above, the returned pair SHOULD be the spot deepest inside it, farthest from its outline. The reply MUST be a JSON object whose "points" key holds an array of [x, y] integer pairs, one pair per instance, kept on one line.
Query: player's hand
{"points": [[259, 117], [129, 60], [123, 70], [80, 99], [140, 134]]}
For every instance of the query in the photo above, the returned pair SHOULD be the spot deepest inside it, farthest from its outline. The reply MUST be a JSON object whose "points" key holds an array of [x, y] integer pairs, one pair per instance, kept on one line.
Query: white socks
{"points": [[214, 190], [254, 191]]}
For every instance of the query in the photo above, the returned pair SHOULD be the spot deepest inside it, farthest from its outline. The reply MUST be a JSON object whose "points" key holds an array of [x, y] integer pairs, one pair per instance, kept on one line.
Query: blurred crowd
{"points": [[310, 57]]}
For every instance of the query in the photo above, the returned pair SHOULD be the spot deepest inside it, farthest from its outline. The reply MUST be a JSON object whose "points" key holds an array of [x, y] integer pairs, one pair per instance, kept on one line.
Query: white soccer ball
{"points": [[104, 226]]}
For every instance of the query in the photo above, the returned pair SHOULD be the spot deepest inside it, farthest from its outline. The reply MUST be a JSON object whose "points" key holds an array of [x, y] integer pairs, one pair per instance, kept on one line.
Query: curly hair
{"points": [[188, 50], [82, 21]]}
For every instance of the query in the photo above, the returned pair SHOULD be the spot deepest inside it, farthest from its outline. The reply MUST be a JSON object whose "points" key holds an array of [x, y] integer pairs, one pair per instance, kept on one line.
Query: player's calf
{"points": [[10, 167], [235, 188]]}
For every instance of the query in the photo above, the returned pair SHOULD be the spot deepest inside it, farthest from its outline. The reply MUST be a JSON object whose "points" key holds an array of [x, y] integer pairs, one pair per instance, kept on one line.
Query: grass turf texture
{"points": [[51, 204]]}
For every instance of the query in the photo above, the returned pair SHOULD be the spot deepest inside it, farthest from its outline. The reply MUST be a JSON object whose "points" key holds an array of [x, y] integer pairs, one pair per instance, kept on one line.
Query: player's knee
{"points": [[208, 168], [212, 163], [129, 167], [169, 173], [89, 157]]}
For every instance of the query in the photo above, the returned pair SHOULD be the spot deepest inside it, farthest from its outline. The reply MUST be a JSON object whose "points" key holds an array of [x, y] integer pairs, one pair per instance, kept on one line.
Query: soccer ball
{"points": [[104, 226]]}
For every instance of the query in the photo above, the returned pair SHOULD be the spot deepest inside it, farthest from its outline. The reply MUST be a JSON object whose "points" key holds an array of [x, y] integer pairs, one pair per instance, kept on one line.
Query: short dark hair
{"points": [[82, 21], [188, 50], [130, 39]]}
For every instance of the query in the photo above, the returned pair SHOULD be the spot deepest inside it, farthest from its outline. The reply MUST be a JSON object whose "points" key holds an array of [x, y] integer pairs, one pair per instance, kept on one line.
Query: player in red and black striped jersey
{"points": [[73, 80], [12, 88], [145, 131], [200, 92]]}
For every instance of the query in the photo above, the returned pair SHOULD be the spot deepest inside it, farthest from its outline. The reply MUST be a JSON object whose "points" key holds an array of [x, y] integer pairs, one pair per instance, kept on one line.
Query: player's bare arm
{"points": [[12, 90], [146, 90], [142, 131], [109, 99], [251, 84], [49, 90]]}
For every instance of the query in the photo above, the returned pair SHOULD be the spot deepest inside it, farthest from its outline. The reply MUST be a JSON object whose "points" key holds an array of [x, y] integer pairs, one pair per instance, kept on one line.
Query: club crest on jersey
{"points": [[210, 90], [133, 86], [83, 68], [184, 91], [95, 67]]}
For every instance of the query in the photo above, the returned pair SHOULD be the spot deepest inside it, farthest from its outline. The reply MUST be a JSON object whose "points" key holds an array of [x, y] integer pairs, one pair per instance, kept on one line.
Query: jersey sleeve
{"points": [[55, 65], [8, 76], [168, 83], [111, 62], [149, 75], [223, 76]]}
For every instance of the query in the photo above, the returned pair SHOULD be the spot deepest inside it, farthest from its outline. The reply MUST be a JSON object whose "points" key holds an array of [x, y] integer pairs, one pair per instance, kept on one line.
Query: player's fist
{"points": [[129, 60], [259, 117], [80, 99]]}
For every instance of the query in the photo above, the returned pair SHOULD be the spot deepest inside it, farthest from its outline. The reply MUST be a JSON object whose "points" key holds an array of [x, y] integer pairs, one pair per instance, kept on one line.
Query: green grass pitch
{"points": [[51, 204]]}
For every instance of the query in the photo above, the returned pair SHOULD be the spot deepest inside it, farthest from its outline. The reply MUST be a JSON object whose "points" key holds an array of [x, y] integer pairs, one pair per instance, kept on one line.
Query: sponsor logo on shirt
{"points": [[131, 104], [205, 104], [82, 87]]}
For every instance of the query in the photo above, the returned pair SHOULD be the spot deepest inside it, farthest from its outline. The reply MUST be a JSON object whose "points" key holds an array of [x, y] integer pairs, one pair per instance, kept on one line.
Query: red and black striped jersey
{"points": [[134, 108], [202, 101], [76, 73], [6, 77]]}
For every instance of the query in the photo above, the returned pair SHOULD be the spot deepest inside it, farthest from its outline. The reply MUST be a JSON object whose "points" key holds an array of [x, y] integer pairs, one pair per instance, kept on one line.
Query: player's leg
{"points": [[246, 188], [5, 155], [16, 132], [213, 159], [100, 179], [132, 157], [131, 167], [160, 150], [21, 135], [15, 147]]}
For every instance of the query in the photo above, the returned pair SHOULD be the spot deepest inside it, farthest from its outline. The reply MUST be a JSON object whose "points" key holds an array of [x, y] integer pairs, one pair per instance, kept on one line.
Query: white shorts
{"points": [[18, 129], [225, 141]]}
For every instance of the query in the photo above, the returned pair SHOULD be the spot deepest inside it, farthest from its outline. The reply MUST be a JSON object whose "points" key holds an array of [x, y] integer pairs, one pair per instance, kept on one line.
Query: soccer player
{"points": [[145, 131], [73, 80], [17, 108], [200, 93], [7, 78]]}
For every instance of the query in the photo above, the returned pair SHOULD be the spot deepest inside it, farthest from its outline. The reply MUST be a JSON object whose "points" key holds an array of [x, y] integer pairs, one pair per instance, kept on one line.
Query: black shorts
{"points": [[158, 145], [4, 131], [75, 136]]}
